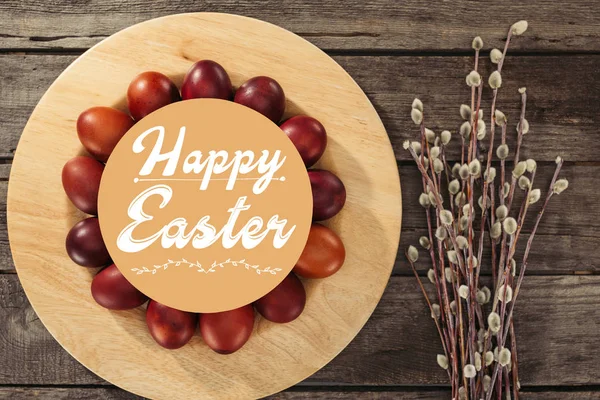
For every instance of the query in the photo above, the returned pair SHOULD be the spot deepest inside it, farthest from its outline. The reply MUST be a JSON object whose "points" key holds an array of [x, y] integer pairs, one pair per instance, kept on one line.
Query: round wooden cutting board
{"points": [[117, 345]]}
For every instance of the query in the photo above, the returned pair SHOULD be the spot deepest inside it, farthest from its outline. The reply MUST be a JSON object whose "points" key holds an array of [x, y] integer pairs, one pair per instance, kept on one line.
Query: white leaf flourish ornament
{"points": [[200, 268]]}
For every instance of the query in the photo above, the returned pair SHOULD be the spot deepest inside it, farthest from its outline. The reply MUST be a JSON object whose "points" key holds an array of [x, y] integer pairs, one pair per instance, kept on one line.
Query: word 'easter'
{"points": [[215, 163], [203, 234]]}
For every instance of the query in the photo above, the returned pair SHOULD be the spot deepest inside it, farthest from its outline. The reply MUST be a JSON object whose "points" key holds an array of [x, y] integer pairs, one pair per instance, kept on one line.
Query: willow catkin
{"points": [[495, 80], [417, 116], [417, 105], [473, 79], [495, 56], [465, 112], [413, 253], [518, 28]]}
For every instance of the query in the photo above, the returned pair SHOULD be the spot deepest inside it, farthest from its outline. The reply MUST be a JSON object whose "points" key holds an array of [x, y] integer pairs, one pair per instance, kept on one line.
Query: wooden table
{"points": [[395, 51]]}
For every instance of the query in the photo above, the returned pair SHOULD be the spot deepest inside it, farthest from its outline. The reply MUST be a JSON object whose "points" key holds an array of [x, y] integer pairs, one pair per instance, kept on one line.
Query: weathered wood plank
{"points": [[422, 394], [550, 254], [561, 109], [112, 393], [396, 347], [564, 239], [372, 24], [109, 393]]}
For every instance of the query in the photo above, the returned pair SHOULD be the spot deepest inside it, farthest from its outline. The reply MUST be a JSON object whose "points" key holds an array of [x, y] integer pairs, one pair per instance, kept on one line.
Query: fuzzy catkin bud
{"points": [[534, 196], [477, 43], [438, 165], [417, 105], [460, 199], [487, 380], [487, 292], [480, 297], [435, 311], [480, 202], [425, 163], [453, 306], [518, 28], [502, 151], [465, 112], [558, 160], [479, 115], [462, 242], [495, 80], [500, 118], [496, 230], [416, 147], [442, 361], [436, 142], [463, 291], [505, 294], [510, 225], [504, 357], [531, 165], [441, 233], [431, 275], [445, 136], [524, 182], [455, 169], [475, 167], [477, 361], [448, 274], [481, 130], [490, 174], [469, 371], [525, 126], [434, 152], [501, 212], [429, 135], [452, 256], [462, 393], [489, 358], [466, 210], [454, 186], [473, 79], [465, 129], [520, 169], [416, 115], [495, 56], [464, 223], [513, 266], [560, 186], [446, 217], [505, 189], [424, 200], [432, 199], [463, 172], [424, 242], [413, 253], [494, 322], [522, 90]]}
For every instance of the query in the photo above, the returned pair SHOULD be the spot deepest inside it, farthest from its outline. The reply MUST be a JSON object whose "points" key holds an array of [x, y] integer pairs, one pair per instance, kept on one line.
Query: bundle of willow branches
{"points": [[475, 322]]}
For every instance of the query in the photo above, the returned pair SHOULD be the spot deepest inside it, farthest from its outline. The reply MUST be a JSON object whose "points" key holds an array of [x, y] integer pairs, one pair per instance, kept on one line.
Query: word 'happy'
{"points": [[217, 162]]}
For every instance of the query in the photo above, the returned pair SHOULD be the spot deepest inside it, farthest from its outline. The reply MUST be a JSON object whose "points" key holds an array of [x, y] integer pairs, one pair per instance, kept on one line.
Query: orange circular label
{"points": [[205, 205]]}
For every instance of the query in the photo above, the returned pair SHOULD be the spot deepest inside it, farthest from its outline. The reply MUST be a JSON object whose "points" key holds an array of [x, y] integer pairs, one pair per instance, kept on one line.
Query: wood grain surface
{"points": [[561, 123], [397, 346], [395, 51], [371, 25]]}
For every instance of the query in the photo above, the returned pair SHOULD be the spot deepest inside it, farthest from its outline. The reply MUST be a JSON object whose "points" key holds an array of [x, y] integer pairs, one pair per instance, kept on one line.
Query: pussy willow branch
{"points": [[530, 241], [433, 316], [525, 256]]}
